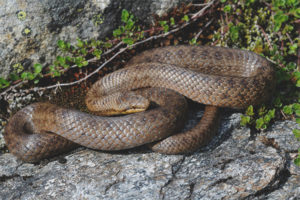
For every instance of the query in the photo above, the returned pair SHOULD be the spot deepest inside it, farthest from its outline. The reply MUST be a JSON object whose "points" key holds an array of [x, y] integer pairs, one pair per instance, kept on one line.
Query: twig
{"points": [[266, 37], [289, 37], [94, 59], [200, 4], [200, 12], [82, 79], [12, 88], [285, 117], [201, 30]]}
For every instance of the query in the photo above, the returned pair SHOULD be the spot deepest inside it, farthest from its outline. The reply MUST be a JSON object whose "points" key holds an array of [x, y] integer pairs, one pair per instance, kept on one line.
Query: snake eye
{"points": [[28, 128]]}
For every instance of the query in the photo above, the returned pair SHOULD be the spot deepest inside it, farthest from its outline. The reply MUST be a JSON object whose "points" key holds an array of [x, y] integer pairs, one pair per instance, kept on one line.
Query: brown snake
{"points": [[224, 78]]}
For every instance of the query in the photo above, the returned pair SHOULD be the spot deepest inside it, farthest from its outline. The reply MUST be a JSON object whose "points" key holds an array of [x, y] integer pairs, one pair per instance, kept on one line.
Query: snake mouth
{"points": [[118, 112]]}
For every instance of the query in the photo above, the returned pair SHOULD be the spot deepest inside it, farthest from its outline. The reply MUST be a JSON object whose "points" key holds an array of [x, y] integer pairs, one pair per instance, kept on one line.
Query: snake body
{"points": [[215, 76]]}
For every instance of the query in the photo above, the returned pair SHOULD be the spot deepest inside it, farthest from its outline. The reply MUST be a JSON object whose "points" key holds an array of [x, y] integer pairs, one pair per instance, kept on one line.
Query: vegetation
{"points": [[268, 28]]}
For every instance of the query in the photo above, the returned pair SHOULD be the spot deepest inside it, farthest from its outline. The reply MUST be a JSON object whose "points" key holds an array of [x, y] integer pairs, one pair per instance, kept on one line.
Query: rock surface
{"points": [[236, 165], [30, 29]]}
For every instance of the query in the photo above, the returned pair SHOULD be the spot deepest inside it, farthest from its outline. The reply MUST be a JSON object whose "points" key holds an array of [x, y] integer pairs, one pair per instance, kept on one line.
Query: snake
{"points": [[157, 83]]}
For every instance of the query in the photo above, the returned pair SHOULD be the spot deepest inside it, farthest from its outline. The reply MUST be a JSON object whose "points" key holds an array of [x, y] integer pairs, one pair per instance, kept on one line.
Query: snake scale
{"points": [[157, 78]]}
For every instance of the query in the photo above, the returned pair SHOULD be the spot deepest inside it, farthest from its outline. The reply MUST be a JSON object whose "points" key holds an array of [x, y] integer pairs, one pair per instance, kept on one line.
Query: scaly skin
{"points": [[224, 78]]}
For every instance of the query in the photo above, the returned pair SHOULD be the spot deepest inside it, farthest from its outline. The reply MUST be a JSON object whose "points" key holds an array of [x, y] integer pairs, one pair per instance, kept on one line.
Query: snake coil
{"points": [[215, 76]]}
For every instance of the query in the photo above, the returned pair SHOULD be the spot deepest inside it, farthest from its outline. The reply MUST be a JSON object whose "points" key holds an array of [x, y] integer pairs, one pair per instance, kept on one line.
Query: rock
{"points": [[30, 29], [235, 165], [281, 136]]}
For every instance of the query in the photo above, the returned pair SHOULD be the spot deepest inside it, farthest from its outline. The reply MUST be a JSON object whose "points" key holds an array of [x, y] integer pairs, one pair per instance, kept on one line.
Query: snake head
{"points": [[118, 104]]}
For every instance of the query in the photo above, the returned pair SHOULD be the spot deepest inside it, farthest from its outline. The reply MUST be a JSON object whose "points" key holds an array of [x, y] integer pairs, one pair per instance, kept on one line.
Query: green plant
{"points": [[127, 30], [80, 54], [267, 28], [261, 119]]}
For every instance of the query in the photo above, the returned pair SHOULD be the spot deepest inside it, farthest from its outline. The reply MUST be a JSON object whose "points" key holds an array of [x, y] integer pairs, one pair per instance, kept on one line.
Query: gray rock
{"points": [[281, 136], [235, 165], [30, 29]]}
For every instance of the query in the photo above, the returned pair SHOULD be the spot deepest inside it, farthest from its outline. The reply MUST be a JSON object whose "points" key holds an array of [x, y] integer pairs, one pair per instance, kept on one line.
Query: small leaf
{"points": [[128, 41], [30, 76], [293, 49], [297, 161], [83, 51], [37, 68], [4, 83], [297, 133], [79, 43], [129, 25], [65, 66], [234, 32], [97, 53], [280, 17], [13, 77], [271, 113], [227, 8], [172, 21], [249, 111], [297, 74], [117, 32], [24, 75], [298, 83], [267, 119], [56, 73], [291, 65], [107, 45], [297, 112], [162, 23], [185, 18], [85, 63], [166, 28], [262, 111], [296, 106], [61, 60], [78, 61], [193, 41], [27, 76], [287, 109], [277, 102], [259, 123], [61, 44], [244, 120], [125, 15], [297, 13]]}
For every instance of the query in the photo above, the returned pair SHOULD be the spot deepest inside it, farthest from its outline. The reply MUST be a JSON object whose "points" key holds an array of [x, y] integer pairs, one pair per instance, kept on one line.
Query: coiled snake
{"points": [[215, 76]]}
